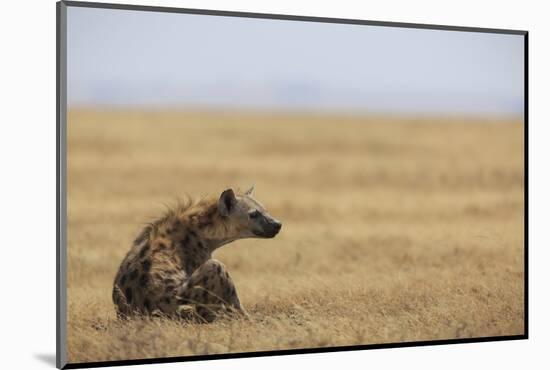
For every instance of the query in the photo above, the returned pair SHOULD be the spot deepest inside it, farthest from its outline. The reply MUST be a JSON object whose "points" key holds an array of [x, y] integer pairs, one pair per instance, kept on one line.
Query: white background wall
{"points": [[27, 203]]}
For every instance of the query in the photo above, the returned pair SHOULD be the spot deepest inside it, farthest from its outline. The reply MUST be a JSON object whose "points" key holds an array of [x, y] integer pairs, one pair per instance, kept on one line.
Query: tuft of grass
{"points": [[393, 229]]}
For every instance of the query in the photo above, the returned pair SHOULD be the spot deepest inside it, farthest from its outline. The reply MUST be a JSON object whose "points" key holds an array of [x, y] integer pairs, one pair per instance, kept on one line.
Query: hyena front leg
{"points": [[210, 291]]}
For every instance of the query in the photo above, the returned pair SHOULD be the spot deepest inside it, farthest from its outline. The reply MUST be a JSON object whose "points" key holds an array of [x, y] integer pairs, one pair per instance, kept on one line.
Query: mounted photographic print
{"points": [[237, 184]]}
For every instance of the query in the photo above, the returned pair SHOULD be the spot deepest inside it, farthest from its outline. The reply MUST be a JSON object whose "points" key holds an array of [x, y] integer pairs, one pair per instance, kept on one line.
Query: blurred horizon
{"points": [[150, 60]]}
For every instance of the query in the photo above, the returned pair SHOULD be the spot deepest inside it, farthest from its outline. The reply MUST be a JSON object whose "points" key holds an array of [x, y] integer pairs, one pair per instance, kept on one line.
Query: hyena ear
{"points": [[250, 191], [227, 202]]}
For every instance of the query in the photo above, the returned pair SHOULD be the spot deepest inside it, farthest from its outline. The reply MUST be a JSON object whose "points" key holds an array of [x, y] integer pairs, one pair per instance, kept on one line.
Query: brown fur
{"points": [[169, 269]]}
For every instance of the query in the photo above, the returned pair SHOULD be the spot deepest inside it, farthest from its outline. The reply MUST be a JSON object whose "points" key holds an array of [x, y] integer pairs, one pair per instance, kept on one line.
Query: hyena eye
{"points": [[254, 214]]}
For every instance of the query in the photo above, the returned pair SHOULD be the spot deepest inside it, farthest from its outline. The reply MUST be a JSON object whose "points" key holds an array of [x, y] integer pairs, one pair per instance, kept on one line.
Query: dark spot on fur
{"points": [[185, 240], [143, 280], [205, 280], [169, 288], [161, 246], [144, 251], [168, 281], [146, 265], [204, 314], [133, 274], [128, 293], [122, 280], [218, 269]]}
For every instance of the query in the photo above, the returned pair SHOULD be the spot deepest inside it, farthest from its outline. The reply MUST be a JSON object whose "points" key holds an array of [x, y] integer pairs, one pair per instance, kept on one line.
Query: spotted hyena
{"points": [[169, 269]]}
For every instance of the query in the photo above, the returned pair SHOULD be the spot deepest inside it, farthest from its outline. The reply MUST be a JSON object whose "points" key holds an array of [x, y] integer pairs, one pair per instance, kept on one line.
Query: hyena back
{"points": [[169, 269]]}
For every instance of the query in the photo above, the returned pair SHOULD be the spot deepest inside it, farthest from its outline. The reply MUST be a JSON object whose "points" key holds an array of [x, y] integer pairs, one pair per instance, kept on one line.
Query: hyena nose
{"points": [[272, 228]]}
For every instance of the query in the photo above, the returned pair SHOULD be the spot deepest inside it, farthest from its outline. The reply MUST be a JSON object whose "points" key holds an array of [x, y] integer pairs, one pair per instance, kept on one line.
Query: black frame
{"points": [[61, 217]]}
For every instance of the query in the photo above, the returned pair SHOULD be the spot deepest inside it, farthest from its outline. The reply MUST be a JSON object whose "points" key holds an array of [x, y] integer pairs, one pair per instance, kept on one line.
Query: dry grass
{"points": [[394, 230]]}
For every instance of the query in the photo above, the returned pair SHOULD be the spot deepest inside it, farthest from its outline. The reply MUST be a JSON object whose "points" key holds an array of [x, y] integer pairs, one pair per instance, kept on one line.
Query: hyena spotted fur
{"points": [[169, 269]]}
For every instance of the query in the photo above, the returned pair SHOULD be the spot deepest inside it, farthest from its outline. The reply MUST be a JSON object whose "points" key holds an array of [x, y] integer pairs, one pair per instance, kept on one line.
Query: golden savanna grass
{"points": [[394, 229]]}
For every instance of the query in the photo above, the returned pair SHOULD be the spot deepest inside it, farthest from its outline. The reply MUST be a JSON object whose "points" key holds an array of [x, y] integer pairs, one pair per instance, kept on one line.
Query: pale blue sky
{"points": [[133, 58]]}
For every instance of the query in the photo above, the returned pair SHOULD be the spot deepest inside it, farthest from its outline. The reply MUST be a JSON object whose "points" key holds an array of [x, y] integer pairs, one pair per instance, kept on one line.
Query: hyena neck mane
{"points": [[194, 227]]}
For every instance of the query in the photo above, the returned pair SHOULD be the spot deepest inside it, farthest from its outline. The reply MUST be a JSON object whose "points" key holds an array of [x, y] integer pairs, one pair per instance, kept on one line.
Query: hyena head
{"points": [[247, 216]]}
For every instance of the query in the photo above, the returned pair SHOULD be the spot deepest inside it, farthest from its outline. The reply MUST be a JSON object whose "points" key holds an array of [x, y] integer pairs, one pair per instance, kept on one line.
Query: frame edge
{"points": [[288, 17], [61, 193], [61, 200]]}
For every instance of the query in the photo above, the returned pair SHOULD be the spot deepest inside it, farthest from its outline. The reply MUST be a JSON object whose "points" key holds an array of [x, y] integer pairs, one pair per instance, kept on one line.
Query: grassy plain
{"points": [[394, 229]]}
